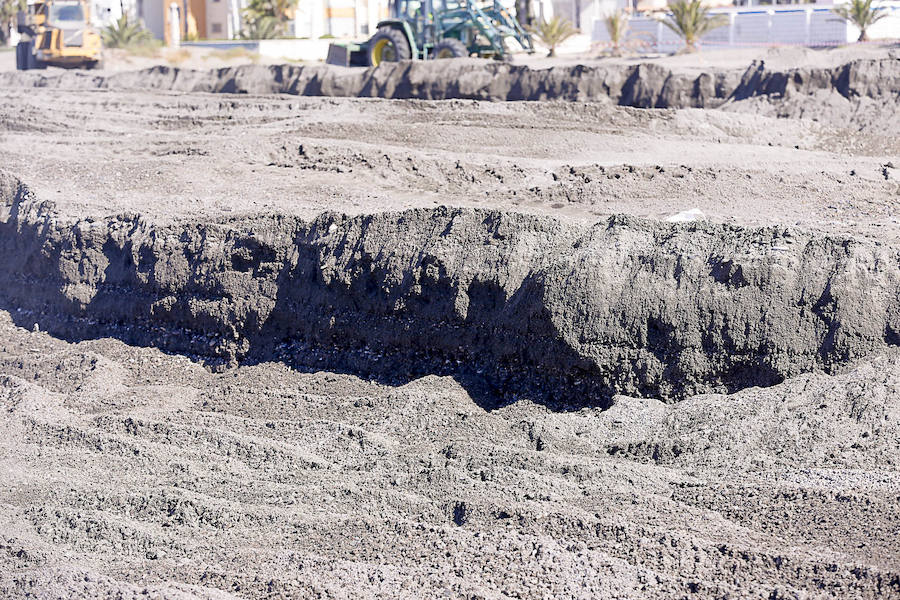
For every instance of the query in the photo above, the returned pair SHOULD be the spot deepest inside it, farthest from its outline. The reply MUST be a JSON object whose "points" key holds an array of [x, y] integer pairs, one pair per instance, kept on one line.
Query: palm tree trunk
{"points": [[863, 36]]}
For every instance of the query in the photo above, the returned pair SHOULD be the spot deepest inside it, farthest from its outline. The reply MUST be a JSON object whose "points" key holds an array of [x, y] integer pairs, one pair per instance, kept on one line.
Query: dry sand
{"points": [[205, 157], [429, 403]]}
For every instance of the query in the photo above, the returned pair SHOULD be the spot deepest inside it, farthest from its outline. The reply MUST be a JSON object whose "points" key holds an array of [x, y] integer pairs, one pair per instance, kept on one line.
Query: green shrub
{"points": [[126, 34]]}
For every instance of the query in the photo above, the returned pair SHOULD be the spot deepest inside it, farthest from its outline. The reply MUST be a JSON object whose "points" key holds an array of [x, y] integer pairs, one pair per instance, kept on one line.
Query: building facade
{"points": [[758, 24]]}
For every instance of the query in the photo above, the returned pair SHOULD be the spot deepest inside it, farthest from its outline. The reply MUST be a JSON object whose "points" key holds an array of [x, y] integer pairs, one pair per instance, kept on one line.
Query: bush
{"points": [[126, 34]]}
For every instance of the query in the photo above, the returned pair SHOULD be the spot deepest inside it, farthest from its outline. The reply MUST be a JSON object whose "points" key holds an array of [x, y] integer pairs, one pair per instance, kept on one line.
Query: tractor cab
{"points": [[64, 15]]}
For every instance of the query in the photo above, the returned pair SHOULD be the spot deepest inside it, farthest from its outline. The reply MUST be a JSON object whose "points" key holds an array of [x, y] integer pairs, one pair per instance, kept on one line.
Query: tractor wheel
{"points": [[507, 53], [388, 45], [23, 49], [450, 48]]}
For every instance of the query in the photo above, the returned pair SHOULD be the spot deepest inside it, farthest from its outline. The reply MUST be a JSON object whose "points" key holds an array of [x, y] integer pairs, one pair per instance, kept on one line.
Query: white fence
{"points": [[308, 50], [762, 26]]}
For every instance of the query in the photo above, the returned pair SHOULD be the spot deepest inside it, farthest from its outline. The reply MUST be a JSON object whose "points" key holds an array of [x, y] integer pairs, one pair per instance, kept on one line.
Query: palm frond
{"points": [[860, 13], [690, 21], [617, 26], [554, 32], [124, 33], [262, 27]]}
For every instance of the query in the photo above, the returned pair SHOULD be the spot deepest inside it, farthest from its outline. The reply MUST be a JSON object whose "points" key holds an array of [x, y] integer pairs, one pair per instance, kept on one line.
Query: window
{"points": [[216, 27], [66, 12]]}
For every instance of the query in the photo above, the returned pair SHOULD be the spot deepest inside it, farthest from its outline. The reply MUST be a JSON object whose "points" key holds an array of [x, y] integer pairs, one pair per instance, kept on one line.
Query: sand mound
{"points": [[831, 93], [470, 376], [264, 482], [578, 312]]}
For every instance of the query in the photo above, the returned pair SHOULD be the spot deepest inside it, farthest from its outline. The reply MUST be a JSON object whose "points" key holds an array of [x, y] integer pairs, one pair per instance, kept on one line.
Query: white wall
{"points": [[308, 50], [590, 10], [217, 14], [152, 12], [812, 25], [350, 19], [106, 12]]}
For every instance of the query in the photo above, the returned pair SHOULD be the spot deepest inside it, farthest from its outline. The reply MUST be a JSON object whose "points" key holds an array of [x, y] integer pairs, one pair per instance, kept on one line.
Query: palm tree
{"points": [[554, 32], [261, 27], [284, 9], [617, 28], [266, 19], [690, 20], [123, 34], [861, 14]]}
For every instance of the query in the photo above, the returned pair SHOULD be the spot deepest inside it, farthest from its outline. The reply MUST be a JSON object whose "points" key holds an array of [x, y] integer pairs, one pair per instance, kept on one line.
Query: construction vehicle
{"points": [[57, 33], [430, 29]]}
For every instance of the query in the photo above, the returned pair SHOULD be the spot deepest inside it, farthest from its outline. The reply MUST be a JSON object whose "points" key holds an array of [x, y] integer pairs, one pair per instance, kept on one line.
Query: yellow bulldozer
{"points": [[58, 33]]}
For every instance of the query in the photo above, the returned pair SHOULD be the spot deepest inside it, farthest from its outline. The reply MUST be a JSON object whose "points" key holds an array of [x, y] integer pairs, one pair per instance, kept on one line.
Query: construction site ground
{"points": [[133, 467]]}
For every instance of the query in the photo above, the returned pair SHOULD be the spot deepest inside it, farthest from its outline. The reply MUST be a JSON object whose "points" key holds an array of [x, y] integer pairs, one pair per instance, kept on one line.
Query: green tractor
{"points": [[429, 29]]}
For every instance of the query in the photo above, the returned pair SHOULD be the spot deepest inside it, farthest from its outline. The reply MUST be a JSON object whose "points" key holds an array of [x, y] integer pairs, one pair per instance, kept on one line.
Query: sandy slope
{"points": [[127, 472]]}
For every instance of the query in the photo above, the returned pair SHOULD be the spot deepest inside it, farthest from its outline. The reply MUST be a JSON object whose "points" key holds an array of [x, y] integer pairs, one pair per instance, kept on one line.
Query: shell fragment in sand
{"points": [[695, 214]]}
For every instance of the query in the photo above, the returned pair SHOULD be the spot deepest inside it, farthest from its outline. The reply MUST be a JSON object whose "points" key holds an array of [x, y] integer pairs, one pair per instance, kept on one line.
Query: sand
{"points": [[278, 346]]}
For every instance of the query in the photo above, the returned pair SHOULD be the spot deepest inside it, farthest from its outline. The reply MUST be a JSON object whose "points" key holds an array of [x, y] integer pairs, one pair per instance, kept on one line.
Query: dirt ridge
{"points": [[644, 85], [627, 305]]}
